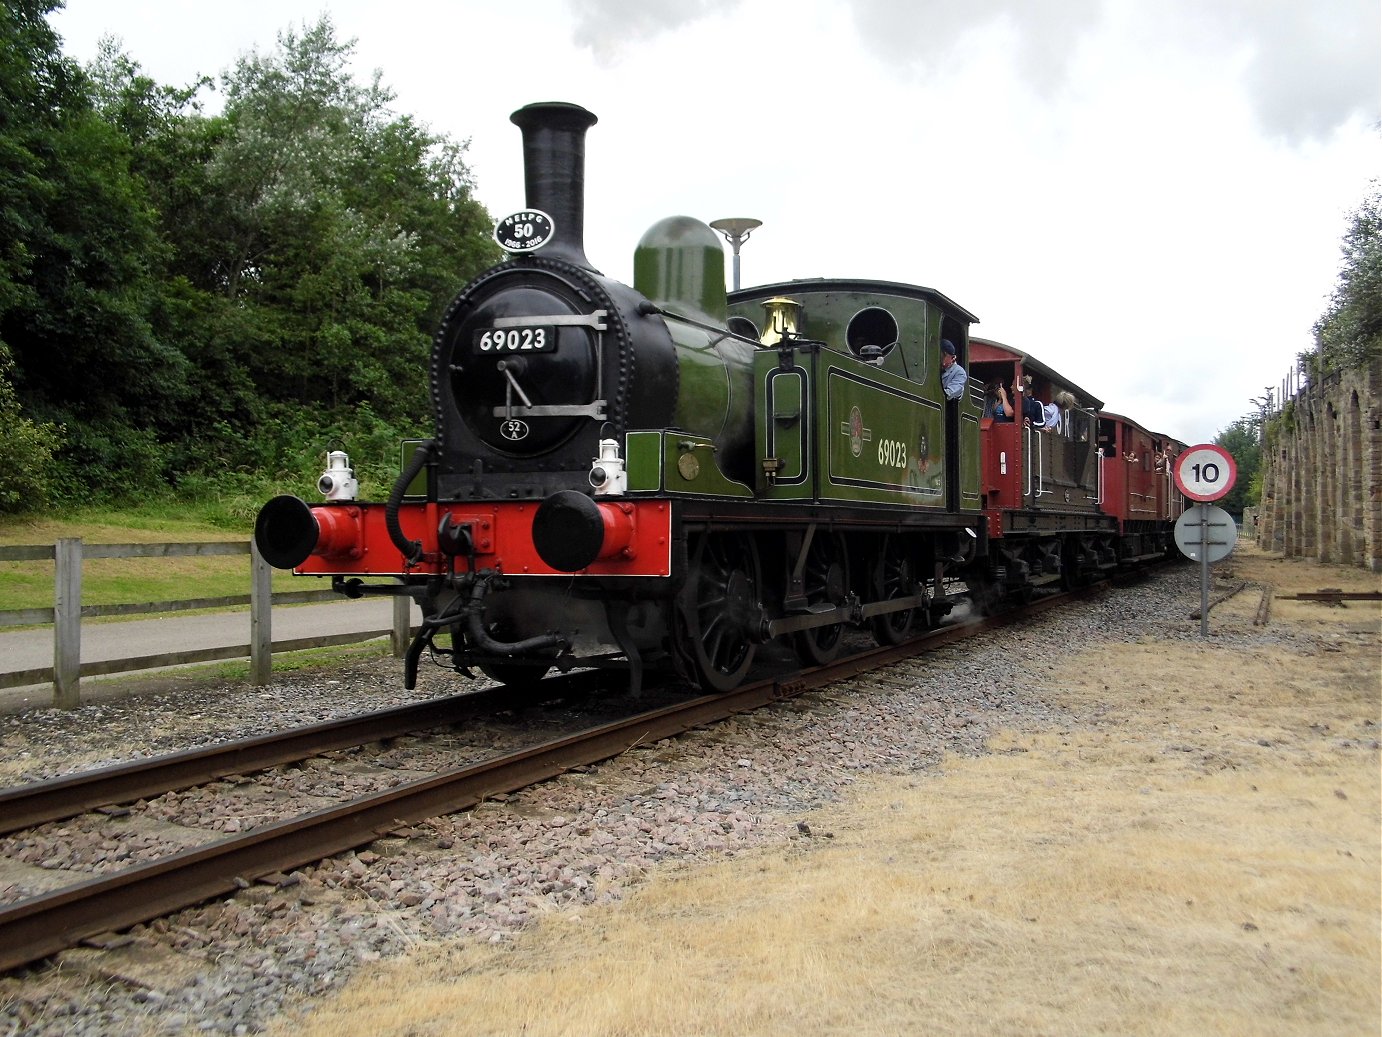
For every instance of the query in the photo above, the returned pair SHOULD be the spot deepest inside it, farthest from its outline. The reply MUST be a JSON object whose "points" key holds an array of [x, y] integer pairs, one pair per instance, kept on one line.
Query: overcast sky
{"points": [[1148, 196]]}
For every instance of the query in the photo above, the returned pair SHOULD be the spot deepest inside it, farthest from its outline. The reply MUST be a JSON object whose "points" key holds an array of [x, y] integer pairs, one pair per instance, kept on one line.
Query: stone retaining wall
{"points": [[1322, 473]]}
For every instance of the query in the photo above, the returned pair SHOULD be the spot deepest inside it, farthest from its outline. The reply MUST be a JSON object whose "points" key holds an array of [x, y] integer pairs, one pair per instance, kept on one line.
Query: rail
{"points": [[67, 614], [49, 922]]}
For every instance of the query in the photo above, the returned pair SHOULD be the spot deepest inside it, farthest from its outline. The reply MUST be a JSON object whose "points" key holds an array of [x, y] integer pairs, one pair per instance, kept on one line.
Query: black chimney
{"points": [[554, 172]]}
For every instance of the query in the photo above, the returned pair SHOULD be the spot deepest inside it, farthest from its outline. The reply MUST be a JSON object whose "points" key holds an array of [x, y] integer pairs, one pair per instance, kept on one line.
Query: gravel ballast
{"points": [[585, 838]]}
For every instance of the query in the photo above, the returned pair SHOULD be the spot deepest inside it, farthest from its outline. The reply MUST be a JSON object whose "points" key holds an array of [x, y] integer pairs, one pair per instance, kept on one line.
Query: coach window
{"points": [[1077, 425], [871, 333]]}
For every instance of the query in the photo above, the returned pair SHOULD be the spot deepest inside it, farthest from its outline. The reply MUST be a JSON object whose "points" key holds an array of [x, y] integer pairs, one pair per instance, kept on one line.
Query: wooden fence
{"points": [[67, 614]]}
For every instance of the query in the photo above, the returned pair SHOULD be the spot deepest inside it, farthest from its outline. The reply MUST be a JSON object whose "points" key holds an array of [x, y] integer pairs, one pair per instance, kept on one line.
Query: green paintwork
{"points": [[680, 266], [826, 312], [969, 456], [714, 387], [677, 464], [879, 429], [882, 441], [643, 461], [704, 477], [880, 438], [785, 428]]}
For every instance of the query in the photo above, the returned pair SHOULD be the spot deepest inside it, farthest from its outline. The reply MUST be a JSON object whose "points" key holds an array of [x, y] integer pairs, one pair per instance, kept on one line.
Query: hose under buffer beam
{"points": [[470, 611]]}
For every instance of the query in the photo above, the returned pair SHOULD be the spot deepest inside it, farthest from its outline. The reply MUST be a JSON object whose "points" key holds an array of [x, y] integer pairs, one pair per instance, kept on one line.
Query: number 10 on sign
{"points": [[1206, 472]]}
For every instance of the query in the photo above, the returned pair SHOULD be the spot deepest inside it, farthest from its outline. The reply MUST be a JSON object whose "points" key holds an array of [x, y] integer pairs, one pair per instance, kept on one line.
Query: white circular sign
{"points": [[524, 231], [1206, 533], [1206, 472]]}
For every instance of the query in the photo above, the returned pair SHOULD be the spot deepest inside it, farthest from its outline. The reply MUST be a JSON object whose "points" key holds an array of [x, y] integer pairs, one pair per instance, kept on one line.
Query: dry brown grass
{"points": [[1202, 858]]}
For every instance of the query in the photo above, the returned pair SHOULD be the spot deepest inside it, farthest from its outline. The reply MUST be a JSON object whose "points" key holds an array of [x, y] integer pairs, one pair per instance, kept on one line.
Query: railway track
{"points": [[60, 798], [44, 924]]}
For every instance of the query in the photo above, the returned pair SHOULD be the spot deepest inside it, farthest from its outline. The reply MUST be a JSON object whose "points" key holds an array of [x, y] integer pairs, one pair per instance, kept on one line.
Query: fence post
{"points": [[67, 623], [261, 618], [402, 625]]}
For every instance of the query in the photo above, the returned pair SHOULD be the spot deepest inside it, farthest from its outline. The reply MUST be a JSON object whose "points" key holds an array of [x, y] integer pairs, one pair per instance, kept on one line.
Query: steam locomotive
{"points": [[671, 475]]}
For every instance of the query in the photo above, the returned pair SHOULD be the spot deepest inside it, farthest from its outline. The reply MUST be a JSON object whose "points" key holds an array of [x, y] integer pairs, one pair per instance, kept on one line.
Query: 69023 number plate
{"points": [[500, 341]]}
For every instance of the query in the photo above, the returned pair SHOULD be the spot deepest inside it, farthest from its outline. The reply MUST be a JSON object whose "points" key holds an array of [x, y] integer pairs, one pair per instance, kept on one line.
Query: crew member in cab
{"points": [[953, 376]]}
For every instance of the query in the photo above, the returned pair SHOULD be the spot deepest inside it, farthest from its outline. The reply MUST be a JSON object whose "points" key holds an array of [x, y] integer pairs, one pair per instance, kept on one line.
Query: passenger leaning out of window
{"points": [[1031, 406]]}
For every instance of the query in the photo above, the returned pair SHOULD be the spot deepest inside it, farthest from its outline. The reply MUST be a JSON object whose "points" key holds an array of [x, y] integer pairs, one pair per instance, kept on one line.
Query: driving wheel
{"points": [[717, 608]]}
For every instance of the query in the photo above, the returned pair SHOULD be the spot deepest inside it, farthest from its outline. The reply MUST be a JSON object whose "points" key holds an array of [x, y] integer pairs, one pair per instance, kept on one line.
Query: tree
{"points": [[1350, 331], [180, 290], [345, 226], [79, 240], [1242, 439], [172, 148], [35, 82]]}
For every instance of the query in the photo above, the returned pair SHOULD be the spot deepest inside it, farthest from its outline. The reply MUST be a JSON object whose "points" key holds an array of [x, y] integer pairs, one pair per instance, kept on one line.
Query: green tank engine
{"points": [[663, 474]]}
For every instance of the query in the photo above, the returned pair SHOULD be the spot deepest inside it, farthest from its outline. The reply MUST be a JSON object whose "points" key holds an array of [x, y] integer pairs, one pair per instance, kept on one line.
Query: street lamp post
{"points": [[736, 230]]}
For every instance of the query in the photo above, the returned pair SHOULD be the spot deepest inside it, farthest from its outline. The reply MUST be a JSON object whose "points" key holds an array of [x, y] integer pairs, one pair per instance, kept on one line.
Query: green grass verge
{"points": [[118, 581], [234, 671]]}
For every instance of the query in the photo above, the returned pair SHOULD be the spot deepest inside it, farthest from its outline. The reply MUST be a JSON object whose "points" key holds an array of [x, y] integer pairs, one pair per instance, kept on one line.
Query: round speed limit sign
{"points": [[1206, 472]]}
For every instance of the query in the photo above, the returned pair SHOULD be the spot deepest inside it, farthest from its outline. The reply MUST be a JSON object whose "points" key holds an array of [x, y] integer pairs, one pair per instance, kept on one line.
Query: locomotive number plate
{"points": [[501, 341]]}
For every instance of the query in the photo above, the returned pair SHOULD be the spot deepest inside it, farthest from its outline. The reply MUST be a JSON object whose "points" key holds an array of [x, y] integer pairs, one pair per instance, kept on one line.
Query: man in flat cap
{"points": [[953, 376]]}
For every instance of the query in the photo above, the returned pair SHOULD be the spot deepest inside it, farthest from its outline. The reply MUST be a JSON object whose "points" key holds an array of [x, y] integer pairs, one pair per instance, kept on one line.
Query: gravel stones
{"points": [[585, 838]]}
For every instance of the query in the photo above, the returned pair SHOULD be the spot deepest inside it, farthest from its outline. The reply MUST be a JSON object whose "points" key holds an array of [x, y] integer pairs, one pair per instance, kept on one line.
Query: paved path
{"points": [[135, 638]]}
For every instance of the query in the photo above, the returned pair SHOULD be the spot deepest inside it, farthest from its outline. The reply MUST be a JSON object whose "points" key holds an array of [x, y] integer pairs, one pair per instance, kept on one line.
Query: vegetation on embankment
{"points": [[201, 305]]}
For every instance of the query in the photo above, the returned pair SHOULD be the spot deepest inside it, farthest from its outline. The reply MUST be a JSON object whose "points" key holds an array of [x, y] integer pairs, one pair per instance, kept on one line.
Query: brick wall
{"points": [[1322, 474]]}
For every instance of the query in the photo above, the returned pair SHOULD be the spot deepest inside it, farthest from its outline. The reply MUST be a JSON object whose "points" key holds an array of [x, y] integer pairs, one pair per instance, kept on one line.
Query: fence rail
{"points": [[41, 617], [205, 548], [67, 613]]}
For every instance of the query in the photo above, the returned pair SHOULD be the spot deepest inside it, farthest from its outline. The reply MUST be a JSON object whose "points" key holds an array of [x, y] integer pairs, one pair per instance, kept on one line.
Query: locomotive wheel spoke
{"points": [[825, 581], [720, 600], [895, 577]]}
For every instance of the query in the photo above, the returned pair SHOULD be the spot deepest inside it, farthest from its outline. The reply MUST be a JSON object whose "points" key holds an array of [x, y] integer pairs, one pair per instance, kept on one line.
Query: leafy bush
{"points": [[286, 454], [27, 472], [108, 461]]}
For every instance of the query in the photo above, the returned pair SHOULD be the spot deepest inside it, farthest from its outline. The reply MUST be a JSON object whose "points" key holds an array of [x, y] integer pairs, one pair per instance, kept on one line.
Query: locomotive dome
{"points": [[680, 260]]}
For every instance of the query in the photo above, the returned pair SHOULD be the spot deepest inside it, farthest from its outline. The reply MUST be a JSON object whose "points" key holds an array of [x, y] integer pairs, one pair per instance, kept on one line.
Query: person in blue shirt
{"points": [[953, 376]]}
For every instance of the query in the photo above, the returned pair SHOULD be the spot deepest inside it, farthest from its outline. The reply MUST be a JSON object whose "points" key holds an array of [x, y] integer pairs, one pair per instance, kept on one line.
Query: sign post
{"points": [[1205, 473]]}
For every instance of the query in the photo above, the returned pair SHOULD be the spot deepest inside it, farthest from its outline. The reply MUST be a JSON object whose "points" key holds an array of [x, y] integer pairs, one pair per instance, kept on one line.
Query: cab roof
{"points": [[853, 285]]}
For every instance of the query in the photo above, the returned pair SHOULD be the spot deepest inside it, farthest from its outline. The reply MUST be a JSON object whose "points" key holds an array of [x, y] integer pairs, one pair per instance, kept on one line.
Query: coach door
{"points": [[962, 462]]}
